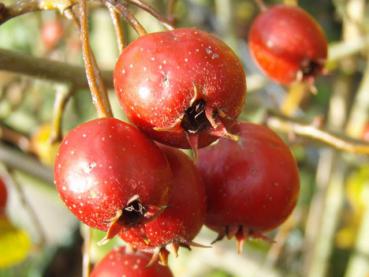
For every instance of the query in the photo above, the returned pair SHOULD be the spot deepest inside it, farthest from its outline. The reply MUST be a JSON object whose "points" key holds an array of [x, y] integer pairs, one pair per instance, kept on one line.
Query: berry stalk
{"points": [[93, 74]]}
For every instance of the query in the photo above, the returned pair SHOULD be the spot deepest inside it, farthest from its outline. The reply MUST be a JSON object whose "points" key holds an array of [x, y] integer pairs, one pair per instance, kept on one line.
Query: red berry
{"points": [[119, 263], [51, 33], [184, 217], [252, 185], [111, 176], [288, 44], [180, 86], [3, 196]]}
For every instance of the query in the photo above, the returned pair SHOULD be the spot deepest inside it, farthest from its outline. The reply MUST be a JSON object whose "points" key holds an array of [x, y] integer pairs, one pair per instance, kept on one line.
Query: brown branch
{"points": [[47, 69], [23, 162], [16, 138], [19, 8], [290, 125], [153, 12], [98, 91], [26, 205], [118, 27], [121, 8]]}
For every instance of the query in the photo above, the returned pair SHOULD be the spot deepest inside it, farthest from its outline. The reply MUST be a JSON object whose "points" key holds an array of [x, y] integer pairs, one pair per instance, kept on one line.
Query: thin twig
{"points": [[118, 27], [261, 5], [153, 12], [121, 8], [86, 251], [21, 7], [17, 9], [16, 138], [26, 205], [289, 125], [170, 11], [48, 69], [98, 91], [63, 95], [23, 162]]}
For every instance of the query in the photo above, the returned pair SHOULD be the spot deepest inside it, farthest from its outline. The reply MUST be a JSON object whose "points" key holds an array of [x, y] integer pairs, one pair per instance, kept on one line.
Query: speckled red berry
{"points": [[111, 176], [288, 44], [184, 216], [120, 263], [252, 185], [181, 87]]}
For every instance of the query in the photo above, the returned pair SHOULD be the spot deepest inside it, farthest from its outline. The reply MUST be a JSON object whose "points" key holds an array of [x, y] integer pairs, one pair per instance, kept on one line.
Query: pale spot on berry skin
{"points": [[186, 60], [66, 142], [123, 71], [131, 66], [152, 58], [165, 62], [64, 188], [89, 167], [84, 135], [72, 152], [145, 68]]}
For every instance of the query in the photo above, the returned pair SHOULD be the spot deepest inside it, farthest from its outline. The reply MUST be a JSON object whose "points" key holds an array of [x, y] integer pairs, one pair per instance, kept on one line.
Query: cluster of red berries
{"points": [[185, 88]]}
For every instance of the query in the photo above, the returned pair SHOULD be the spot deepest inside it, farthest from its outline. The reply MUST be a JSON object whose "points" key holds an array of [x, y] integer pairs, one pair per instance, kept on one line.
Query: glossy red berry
{"points": [[111, 176], [288, 44], [182, 219], [180, 86], [120, 263], [252, 185], [3, 196], [51, 33]]}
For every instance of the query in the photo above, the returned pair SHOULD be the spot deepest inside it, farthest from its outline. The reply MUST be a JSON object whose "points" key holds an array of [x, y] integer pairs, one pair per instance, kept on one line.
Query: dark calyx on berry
{"points": [[310, 69], [194, 119], [133, 214], [241, 234]]}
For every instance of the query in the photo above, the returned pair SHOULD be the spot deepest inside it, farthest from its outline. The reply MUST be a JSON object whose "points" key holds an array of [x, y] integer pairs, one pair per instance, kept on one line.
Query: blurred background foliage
{"points": [[328, 233]]}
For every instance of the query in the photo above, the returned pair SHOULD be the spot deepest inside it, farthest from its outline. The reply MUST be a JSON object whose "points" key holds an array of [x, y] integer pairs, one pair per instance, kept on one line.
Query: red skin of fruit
{"points": [[252, 183], [3, 196], [183, 218], [102, 164], [119, 263], [284, 38], [51, 33], [156, 75]]}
